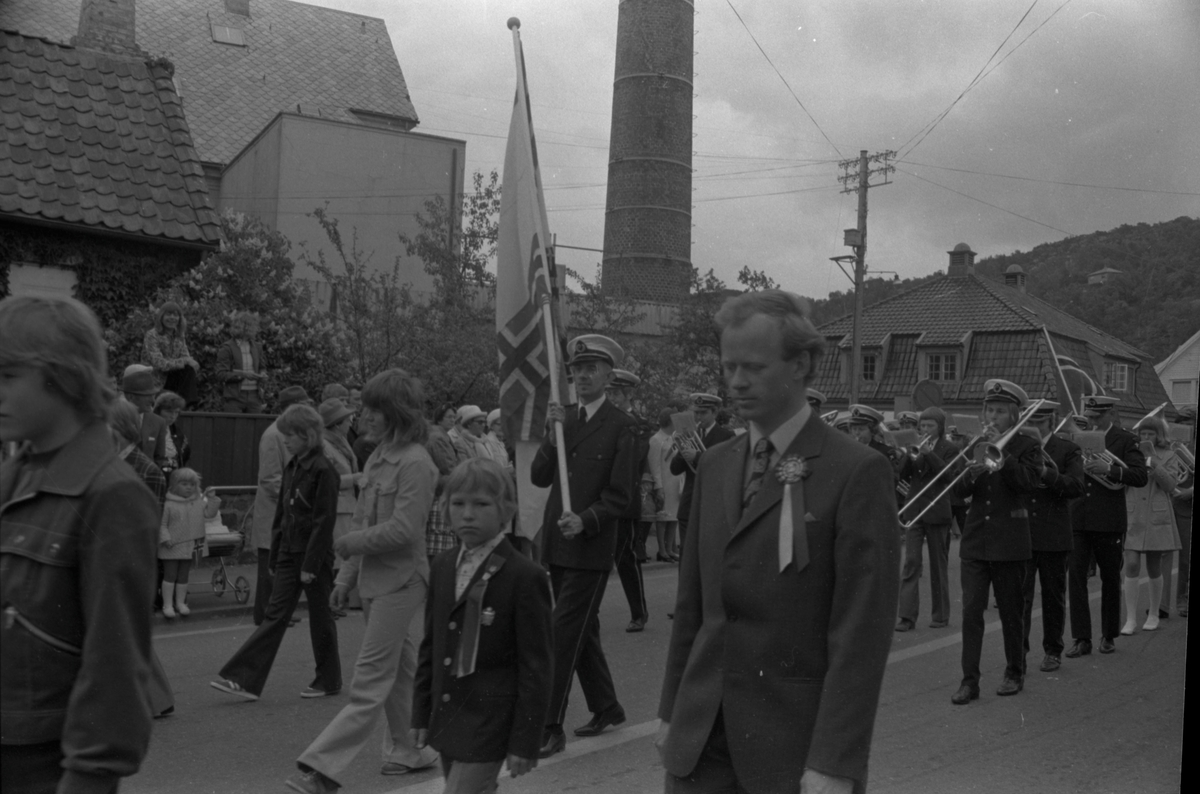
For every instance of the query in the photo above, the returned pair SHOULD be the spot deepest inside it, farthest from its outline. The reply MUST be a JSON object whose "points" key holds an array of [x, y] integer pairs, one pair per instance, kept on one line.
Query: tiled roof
{"points": [[97, 141], [1019, 357], [900, 372], [295, 54]]}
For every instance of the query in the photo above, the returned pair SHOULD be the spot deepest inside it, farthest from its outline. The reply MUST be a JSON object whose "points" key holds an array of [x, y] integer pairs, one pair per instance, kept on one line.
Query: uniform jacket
{"points": [[1103, 509], [77, 548], [711, 437], [1051, 502], [920, 472], [154, 438], [306, 511], [272, 457], [229, 359], [997, 527], [501, 707], [388, 538], [794, 660], [600, 455], [642, 433]]}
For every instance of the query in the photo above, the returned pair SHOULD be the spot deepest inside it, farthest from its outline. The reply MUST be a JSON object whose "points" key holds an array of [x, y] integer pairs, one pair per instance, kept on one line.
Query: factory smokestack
{"points": [[648, 212]]}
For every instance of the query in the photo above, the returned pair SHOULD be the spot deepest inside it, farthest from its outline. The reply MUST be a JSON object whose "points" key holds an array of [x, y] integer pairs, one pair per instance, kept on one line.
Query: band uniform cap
{"points": [[997, 390], [908, 416], [140, 381], [1096, 404], [815, 398], [594, 347], [864, 415], [469, 413], [1047, 410], [1080, 421], [292, 395], [333, 411], [842, 422], [702, 400], [624, 379], [493, 416]]}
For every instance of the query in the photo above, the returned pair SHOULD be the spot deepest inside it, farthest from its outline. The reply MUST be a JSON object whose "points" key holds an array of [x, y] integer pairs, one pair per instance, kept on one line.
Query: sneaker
{"points": [[313, 692], [311, 782], [232, 688], [396, 768]]}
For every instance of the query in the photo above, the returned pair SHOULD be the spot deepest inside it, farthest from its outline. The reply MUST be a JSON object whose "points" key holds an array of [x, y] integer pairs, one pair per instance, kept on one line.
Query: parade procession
{"points": [[534, 443]]}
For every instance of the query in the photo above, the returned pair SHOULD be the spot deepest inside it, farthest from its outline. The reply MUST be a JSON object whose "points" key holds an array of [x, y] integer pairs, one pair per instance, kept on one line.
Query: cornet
{"points": [[926, 444]]}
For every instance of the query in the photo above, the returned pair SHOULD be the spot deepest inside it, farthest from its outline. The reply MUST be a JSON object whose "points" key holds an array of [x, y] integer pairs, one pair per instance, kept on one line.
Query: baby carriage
{"points": [[219, 542]]}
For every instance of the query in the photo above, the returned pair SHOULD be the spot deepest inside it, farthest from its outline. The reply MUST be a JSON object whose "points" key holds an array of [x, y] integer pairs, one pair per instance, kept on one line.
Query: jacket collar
{"points": [[78, 461], [807, 444], [494, 562], [594, 423]]}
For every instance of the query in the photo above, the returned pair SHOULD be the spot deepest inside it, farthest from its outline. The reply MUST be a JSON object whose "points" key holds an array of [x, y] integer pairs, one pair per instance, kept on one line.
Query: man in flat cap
{"points": [[629, 566], [686, 462], [140, 387], [995, 548], [579, 545], [1099, 524]]}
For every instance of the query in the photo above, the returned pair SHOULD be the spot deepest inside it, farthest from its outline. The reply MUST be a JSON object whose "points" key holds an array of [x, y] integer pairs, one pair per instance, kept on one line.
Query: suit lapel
{"points": [[807, 444], [594, 423], [735, 468], [494, 562]]}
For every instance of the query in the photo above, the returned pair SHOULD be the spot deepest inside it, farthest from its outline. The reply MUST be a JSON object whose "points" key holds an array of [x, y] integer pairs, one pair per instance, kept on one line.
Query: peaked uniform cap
{"points": [[1096, 404], [1006, 391], [624, 379], [1048, 409], [815, 398], [864, 415], [702, 400], [842, 422], [908, 416], [594, 347]]}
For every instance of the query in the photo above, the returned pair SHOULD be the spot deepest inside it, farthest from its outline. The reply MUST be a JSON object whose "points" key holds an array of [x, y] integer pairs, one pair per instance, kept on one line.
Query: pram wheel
{"points": [[219, 582], [241, 590]]}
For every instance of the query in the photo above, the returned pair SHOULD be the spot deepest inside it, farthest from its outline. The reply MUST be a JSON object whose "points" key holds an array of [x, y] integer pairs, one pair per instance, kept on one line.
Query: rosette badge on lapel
{"points": [[791, 470]]}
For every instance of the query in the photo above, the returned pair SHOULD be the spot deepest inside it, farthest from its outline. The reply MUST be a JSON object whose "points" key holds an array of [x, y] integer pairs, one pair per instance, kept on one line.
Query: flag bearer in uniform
{"points": [[995, 548], [629, 567], [579, 545], [1099, 524], [1060, 484]]}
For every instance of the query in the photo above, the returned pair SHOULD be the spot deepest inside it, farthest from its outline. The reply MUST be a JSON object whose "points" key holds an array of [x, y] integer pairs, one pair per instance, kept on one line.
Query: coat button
{"points": [[54, 548], [453, 625], [446, 698], [446, 661], [19, 539]]}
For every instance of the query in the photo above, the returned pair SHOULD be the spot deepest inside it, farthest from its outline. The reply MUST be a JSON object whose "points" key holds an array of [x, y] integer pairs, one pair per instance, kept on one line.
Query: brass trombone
{"points": [[963, 422]]}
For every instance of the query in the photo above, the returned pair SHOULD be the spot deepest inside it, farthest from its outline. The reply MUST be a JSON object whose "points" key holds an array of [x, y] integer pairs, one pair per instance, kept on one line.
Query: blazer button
{"points": [[446, 661], [453, 625], [446, 698]]}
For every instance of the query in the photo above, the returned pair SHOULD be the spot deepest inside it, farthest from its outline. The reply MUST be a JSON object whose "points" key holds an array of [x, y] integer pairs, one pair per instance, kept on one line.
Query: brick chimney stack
{"points": [[962, 261], [648, 215], [108, 26]]}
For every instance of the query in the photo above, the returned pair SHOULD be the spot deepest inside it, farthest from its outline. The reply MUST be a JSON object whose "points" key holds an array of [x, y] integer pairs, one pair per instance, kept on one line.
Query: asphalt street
{"points": [[1100, 724]]}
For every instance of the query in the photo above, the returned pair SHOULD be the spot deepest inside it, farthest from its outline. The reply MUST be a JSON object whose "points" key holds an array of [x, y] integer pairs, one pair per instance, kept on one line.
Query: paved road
{"points": [[1102, 723]]}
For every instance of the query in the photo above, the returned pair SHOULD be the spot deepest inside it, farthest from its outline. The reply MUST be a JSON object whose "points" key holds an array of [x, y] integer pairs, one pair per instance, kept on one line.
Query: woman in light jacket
{"points": [[1151, 524], [337, 418], [384, 554]]}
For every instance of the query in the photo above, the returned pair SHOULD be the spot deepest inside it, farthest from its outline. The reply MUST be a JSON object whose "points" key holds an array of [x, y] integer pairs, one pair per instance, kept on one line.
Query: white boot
{"points": [[1156, 589], [168, 592], [1131, 587], [181, 599]]}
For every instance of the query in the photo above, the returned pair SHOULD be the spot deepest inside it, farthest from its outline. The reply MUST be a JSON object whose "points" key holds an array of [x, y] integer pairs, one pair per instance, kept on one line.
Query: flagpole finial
{"points": [[514, 23]]}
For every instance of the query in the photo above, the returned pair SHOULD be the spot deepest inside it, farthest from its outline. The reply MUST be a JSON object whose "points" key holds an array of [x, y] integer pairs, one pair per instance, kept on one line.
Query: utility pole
{"points": [[857, 239]]}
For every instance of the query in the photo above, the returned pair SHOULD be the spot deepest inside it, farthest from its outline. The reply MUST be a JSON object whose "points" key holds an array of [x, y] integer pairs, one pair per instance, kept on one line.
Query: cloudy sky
{"points": [[1102, 93]]}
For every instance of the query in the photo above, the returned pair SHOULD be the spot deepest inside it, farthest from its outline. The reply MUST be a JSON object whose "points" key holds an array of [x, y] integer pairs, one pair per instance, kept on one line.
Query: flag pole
{"points": [[550, 335]]}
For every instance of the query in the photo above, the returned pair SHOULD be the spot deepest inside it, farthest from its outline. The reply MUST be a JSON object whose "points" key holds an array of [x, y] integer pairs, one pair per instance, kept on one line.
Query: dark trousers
{"points": [[959, 513], [183, 382], [1108, 548], [629, 569], [262, 586], [1007, 579], [714, 772], [251, 665], [937, 536], [1051, 568], [577, 596], [33, 768]]}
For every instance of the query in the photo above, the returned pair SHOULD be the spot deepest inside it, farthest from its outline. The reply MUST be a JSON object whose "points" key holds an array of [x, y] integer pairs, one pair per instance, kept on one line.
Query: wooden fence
{"points": [[225, 446]]}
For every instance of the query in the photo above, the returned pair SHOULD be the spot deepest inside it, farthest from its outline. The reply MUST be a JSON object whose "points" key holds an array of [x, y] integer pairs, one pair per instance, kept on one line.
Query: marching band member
{"points": [[866, 426], [704, 408], [1098, 525], [1060, 484], [629, 568], [933, 528], [909, 420], [995, 546], [816, 399], [1152, 531]]}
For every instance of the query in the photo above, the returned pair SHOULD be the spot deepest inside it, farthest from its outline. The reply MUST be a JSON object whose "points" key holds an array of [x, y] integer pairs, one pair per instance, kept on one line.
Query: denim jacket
{"points": [[307, 510]]}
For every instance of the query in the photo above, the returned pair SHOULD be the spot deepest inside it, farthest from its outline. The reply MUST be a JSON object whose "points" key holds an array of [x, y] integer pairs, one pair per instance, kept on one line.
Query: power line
{"points": [[1022, 41], [988, 203], [1053, 181], [781, 77]]}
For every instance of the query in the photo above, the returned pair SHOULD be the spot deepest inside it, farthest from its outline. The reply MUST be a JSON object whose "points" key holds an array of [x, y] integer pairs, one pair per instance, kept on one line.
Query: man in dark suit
{"points": [[704, 408], [140, 388], [629, 567], [932, 528], [995, 547], [788, 584], [1099, 525], [1061, 482], [578, 544]]}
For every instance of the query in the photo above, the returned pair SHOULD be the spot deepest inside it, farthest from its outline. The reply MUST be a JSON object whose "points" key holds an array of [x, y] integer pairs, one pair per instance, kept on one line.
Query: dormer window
{"points": [[942, 367], [1116, 376], [869, 363]]}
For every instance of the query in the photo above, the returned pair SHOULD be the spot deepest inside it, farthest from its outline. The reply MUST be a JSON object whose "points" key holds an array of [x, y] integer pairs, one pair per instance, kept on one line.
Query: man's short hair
{"points": [[124, 420], [399, 397], [168, 401], [788, 309], [62, 338], [482, 475]]}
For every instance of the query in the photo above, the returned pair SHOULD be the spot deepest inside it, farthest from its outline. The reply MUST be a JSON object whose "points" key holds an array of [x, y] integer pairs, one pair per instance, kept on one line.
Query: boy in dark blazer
{"points": [[484, 670]]}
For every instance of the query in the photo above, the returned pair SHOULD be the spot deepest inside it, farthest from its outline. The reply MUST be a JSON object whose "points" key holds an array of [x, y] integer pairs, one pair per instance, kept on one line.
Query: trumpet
{"points": [[926, 444]]}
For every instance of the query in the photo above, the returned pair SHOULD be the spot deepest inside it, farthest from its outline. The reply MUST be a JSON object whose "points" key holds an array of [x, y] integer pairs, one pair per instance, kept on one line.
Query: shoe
{"points": [[1050, 663], [964, 695], [167, 712], [395, 768], [313, 692], [636, 625], [601, 720], [168, 608], [1151, 624], [311, 782], [664, 558], [1107, 645], [905, 625], [1129, 628], [1163, 614], [232, 688], [555, 742], [939, 624], [1011, 686], [1080, 648]]}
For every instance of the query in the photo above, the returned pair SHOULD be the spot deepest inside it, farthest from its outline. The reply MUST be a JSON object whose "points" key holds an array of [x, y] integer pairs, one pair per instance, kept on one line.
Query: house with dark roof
{"points": [[99, 177], [1180, 372], [292, 107], [952, 334]]}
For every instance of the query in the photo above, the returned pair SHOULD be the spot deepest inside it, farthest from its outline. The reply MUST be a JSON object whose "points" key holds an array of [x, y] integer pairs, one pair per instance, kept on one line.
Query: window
{"points": [[223, 34], [868, 366], [1183, 392], [942, 366], [1116, 376]]}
